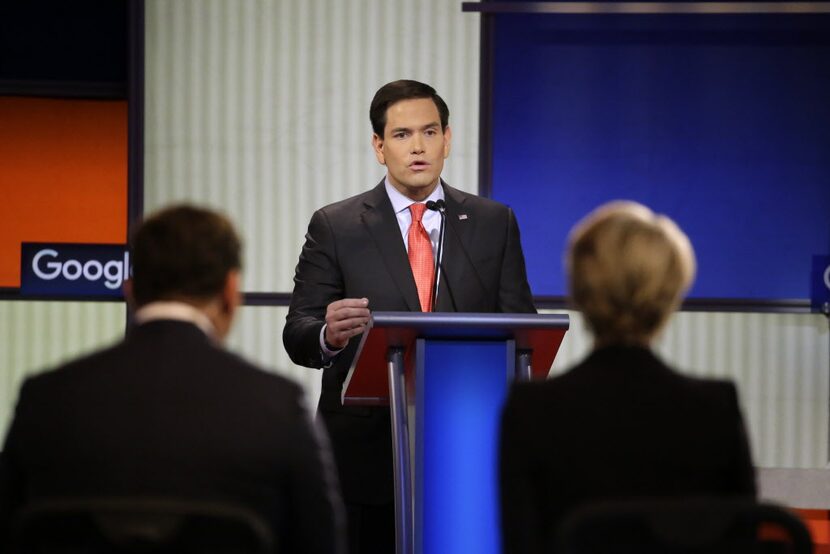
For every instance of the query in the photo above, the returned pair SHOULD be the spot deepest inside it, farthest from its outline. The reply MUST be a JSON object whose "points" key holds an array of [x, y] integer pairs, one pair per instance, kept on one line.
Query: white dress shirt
{"points": [[431, 220]]}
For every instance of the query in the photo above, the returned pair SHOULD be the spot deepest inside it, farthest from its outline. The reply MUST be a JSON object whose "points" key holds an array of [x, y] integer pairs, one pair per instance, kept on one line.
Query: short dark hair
{"points": [[404, 89], [183, 252]]}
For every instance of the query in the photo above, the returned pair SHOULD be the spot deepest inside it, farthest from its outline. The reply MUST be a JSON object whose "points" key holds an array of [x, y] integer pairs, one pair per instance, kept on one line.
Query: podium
{"points": [[445, 377]]}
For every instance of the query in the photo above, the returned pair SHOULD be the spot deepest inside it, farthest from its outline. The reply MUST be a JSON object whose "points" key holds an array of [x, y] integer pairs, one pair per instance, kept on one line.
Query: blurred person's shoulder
{"points": [[709, 392]]}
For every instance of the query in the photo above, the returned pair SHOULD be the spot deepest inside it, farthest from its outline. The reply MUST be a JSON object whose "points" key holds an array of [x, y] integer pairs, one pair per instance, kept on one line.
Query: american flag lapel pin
{"points": [[462, 217]]}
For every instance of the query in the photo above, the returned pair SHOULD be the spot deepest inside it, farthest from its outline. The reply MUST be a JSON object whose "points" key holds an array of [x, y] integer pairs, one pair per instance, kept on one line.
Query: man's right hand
{"points": [[345, 319]]}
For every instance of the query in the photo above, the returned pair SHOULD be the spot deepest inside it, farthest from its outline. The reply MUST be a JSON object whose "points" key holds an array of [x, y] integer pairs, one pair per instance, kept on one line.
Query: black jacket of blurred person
{"points": [[622, 424], [169, 412]]}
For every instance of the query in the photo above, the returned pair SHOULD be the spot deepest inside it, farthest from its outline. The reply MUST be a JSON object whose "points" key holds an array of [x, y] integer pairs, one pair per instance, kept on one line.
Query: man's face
{"points": [[413, 147]]}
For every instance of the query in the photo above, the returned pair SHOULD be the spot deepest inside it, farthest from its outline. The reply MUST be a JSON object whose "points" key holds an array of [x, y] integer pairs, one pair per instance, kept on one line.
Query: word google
{"points": [[74, 269], [113, 271]]}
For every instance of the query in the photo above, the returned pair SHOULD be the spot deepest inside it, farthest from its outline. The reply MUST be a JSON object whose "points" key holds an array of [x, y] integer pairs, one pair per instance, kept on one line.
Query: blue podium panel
{"points": [[454, 370], [461, 387]]}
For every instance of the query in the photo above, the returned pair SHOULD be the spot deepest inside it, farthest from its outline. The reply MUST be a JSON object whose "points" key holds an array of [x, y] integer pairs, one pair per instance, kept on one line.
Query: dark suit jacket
{"points": [[620, 424], [168, 413], [354, 249]]}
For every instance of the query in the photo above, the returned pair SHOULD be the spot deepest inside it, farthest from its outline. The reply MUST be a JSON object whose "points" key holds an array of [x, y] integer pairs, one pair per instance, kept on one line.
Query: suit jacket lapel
{"points": [[382, 224], [456, 266]]}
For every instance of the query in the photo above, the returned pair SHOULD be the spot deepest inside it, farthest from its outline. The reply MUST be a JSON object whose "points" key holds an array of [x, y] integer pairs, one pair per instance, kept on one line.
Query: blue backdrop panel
{"points": [[721, 122], [464, 386]]}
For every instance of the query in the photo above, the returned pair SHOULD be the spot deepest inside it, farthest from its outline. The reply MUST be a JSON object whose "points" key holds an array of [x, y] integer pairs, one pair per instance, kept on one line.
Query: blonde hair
{"points": [[628, 269]]}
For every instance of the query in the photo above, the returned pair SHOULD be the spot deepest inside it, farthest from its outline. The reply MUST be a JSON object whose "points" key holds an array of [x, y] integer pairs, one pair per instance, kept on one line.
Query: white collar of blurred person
{"points": [[178, 311]]}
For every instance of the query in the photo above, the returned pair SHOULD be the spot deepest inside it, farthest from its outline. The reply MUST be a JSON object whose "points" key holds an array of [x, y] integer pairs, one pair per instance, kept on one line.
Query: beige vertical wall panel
{"points": [[35, 336], [257, 335], [780, 362], [261, 107]]}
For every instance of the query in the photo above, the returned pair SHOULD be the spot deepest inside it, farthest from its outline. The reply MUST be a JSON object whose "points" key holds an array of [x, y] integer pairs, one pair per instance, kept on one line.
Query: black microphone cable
{"points": [[441, 207]]}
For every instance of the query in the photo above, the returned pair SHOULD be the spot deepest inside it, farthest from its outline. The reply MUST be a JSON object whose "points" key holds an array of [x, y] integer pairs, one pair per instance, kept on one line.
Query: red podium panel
{"points": [[367, 382]]}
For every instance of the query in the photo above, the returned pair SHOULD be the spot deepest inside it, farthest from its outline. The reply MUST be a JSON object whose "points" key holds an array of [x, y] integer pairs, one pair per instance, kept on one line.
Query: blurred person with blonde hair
{"points": [[621, 424]]}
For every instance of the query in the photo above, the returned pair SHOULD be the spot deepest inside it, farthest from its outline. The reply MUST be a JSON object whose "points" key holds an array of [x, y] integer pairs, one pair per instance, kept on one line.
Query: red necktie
{"points": [[420, 256]]}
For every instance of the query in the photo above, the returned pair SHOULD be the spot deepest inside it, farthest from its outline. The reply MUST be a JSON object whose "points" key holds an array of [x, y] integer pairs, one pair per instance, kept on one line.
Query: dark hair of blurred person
{"points": [[183, 252]]}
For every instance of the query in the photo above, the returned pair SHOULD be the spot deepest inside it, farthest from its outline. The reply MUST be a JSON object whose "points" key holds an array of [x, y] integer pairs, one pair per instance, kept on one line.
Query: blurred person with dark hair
{"points": [[621, 424], [377, 251], [168, 412]]}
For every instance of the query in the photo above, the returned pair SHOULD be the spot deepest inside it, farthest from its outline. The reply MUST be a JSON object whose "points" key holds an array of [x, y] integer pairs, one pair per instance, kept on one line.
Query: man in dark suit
{"points": [[622, 424], [168, 412], [376, 251]]}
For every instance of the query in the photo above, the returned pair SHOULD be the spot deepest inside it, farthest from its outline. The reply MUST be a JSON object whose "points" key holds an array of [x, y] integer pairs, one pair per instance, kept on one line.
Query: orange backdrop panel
{"points": [[63, 175], [818, 522]]}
